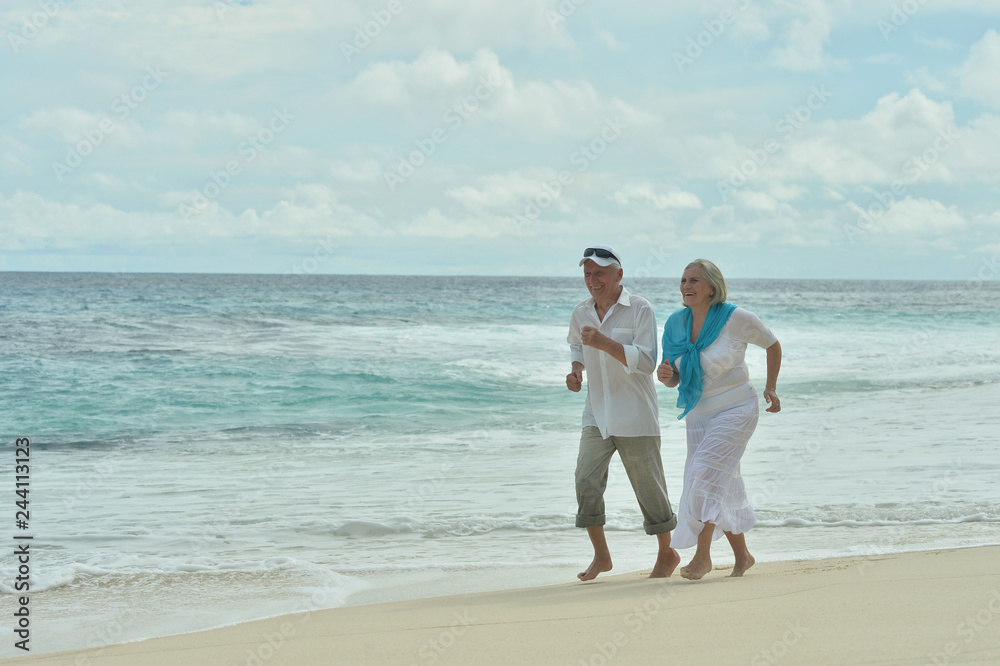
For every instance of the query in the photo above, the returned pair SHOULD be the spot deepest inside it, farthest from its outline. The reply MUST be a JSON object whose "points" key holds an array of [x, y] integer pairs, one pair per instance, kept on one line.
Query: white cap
{"points": [[590, 255]]}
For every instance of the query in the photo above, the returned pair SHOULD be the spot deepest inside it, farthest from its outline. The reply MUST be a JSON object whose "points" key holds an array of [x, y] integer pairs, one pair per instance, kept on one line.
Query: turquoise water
{"points": [[214, 448]]}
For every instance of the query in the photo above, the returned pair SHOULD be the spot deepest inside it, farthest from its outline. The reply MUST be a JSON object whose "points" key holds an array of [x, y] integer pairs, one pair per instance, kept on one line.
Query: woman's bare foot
{"points": [[744, 560], [742, 564], [600, 564], [697, 568], [666, 561]]}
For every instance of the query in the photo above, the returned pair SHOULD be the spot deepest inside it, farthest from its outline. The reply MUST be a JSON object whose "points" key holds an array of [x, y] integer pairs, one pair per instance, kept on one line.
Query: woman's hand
{"points": [[665, 373], [771, 396], [773, 366]]}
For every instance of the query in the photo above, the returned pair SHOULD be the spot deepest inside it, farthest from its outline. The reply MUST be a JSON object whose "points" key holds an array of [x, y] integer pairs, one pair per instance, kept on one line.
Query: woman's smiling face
{"points": [[695, 290]]}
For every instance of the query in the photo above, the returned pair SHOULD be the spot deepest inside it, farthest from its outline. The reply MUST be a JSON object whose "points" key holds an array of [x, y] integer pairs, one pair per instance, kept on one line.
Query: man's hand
{"points": [[574, 380], [593, 338]]}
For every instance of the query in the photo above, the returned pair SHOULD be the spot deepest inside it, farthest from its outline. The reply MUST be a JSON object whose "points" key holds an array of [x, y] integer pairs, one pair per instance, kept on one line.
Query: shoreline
{"points": [[921, 607]]}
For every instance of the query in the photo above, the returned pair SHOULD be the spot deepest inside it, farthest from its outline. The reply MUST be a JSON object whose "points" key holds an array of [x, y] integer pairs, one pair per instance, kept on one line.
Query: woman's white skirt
{"points": [[717, 435]]}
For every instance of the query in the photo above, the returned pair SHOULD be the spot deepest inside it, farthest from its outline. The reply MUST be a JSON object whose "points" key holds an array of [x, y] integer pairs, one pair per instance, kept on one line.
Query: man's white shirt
{"points": [[621, 399]]}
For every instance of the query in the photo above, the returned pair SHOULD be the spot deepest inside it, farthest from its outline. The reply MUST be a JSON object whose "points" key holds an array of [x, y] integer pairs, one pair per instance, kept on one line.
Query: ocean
{"points": [[209, 449]]}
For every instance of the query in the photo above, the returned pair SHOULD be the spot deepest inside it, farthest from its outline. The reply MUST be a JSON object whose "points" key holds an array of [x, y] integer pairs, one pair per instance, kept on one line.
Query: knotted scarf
{"points": [[677, 343]]}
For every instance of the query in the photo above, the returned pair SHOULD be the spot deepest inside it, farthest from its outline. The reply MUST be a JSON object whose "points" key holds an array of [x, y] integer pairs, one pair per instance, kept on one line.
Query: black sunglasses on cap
{"points": [[603, 254]]}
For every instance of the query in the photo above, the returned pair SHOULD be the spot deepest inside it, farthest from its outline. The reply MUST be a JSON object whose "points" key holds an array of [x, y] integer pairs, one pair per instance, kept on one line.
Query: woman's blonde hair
{"points": [[714, 278]]}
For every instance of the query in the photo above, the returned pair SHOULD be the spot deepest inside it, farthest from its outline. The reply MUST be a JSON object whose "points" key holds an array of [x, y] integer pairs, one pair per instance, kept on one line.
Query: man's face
{"points": [[602, 281]]}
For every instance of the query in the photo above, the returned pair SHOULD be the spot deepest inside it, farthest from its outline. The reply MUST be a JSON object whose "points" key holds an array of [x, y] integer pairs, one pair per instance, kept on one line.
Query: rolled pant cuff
{"points": [[659, 528], [593, 521]]}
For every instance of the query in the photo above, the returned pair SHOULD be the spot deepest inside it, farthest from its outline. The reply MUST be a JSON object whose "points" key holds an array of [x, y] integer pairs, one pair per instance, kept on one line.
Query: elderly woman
{"points": [[703, 352]]}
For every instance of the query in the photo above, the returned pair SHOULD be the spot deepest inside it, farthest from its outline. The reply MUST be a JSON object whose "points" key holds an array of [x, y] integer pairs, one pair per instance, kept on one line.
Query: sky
{"points": [[846, 139]]}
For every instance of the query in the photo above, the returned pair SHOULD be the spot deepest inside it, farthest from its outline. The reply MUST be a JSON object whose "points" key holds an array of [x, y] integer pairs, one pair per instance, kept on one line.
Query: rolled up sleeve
{"points": [[641, 354], [575, 340]]}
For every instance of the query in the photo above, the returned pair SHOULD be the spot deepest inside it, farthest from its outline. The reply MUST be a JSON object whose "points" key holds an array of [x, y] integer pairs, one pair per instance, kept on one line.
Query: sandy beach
{"points": [[932, 607]]}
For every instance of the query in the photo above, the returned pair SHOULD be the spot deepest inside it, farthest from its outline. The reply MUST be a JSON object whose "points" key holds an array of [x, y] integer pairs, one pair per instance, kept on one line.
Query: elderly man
{"points": [[612, 335]]}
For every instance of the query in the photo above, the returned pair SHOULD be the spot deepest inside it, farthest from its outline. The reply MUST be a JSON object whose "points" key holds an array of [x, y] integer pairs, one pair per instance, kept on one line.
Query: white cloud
{"points": [[921, 222], [833, 194], [436, 224], [437, 89], [431, 84], [215, 40], [459, 25], [751, 25], [108, 182], [313, 209], [992, 248], [939, 44], [508, 195], [609, 40], [365, 170], [764, 221], [14, 155], [904, 138], [885, 59], [192, 126], [916, 223], [754, 200], [659, 198], [890, 142], [743, 20], [975, 78], [979, 75], [28, 221], [807, 35], [722, 224], [66, 123], [818, 227], [223, 39], [73, 125], [973, 157], [786, 191], [923, 79]]}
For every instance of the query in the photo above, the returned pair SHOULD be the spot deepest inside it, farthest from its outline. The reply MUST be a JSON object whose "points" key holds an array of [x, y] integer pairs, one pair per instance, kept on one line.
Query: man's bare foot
{"points": [[600, 564], [696, 568], [742, 564], [666, 562]]}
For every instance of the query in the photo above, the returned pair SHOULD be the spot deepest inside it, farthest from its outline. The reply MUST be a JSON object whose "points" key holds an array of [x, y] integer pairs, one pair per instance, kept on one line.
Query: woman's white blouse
{"points": [[722, 362]]}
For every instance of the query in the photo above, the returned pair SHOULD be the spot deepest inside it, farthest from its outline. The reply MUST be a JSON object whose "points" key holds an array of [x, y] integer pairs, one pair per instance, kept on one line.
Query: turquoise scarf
{"points": [[677, 343]]}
